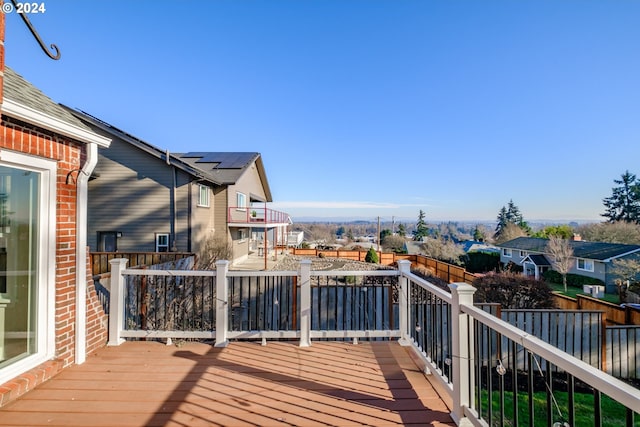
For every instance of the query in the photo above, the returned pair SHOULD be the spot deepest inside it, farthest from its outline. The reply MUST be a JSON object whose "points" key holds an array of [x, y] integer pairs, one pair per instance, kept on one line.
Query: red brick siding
{"points": [[71, 156], [97, 321]]}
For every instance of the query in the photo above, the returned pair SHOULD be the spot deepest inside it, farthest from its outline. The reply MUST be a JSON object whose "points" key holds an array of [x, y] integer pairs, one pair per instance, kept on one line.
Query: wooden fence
{"points": [[614, 314], [447, 272], [100, 260]]}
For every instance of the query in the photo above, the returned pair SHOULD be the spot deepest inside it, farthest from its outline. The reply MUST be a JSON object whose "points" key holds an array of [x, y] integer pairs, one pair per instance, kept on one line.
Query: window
{"points": [[108, 241], [27, 262], [241, 201], [523, 254], [506, 252], [585, 264], [162, 242], [242, 234], [203, 197]]}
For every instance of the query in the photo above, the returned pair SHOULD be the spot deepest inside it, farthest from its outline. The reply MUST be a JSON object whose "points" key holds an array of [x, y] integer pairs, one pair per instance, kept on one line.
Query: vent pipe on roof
{"points": [[167, 159]]}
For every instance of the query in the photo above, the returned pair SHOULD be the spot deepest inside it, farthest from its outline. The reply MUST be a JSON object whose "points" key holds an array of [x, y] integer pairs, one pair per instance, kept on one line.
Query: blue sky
{"points": [[366, 108]]}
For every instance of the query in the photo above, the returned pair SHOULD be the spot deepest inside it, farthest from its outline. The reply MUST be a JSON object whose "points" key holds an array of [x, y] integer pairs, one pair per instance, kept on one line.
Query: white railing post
{"points": [[404, 266], [305, 303], [116, 301], [462, 352], [222, 303]]}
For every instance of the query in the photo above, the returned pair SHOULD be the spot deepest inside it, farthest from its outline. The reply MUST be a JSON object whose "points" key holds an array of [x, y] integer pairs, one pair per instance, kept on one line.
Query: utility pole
{"points": [[378, 234]]}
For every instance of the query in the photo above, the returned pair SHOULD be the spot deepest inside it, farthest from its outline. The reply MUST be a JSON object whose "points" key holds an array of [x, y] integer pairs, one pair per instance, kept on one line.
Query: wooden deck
{"points": [[245, 384]]}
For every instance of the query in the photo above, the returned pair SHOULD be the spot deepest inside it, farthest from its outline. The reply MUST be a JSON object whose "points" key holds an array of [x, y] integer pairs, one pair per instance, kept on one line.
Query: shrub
{"points": [[214, 248], [575, 280], [513, 291], [372, 256], [481, 262]]}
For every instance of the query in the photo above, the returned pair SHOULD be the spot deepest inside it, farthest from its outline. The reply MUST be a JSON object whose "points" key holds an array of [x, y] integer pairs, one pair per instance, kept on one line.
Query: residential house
{"points": [[592, 259], [145, 199], [49, 316]]}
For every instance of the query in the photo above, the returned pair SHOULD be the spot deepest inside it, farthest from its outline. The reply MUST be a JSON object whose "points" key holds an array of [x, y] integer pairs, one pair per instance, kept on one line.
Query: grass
{"points": [[613, 413], [573, 291]]}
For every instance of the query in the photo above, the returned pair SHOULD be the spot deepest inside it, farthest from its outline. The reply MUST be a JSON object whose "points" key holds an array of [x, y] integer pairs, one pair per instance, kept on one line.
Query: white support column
{"points": [[116, 301], [404, 266], [222, 303], [462, 352], [305, 303]]}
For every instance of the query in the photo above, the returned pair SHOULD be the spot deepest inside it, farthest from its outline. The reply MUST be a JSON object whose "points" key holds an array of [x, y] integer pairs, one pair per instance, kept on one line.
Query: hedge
{"points": [[575, 280]]}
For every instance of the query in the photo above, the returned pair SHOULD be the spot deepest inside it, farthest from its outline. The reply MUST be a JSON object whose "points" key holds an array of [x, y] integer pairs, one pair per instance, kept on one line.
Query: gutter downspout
{"points": [[81, 252]]}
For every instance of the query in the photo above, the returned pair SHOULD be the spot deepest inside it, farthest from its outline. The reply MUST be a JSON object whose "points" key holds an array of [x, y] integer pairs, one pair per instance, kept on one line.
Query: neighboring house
{"points": [[592, 259], [49, 314], [144, 199]]}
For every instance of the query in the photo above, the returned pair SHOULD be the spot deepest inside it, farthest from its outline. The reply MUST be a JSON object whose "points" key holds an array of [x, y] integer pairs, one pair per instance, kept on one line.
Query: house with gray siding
{"points": [[592, 259], [146, 199]]}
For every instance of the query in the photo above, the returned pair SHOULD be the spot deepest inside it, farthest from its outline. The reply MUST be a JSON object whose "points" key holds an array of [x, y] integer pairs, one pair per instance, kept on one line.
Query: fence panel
{"points": [[578, 333], [623, 351], [100, 260]]}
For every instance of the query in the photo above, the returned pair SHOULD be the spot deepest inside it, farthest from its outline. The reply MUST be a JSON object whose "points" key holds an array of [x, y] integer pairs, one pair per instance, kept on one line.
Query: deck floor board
{"points": [[244, 384]]}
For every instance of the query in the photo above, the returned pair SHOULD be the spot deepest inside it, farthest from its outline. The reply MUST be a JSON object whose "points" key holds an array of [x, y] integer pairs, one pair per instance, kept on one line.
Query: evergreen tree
{"points": [[478, 235], [510, 214], [421, 227], [502, 221], [513, 213], [372, 256], [624, 203], [402, 231]]}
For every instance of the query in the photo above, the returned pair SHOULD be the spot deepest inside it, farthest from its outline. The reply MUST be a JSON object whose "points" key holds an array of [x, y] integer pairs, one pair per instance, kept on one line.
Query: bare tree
{"points": [[214, 248], [627, 269], [443, 250], [394, 243], [509, 232], [611, 232], [562, 254]]}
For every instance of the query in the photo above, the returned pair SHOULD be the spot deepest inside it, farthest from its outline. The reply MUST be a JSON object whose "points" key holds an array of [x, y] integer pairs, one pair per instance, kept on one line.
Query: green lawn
{"points": [[572, 291], [614, 414]]}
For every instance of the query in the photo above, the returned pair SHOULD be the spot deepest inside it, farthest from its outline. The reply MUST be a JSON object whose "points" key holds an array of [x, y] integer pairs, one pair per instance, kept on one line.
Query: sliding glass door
{"points": [[19, 238]]}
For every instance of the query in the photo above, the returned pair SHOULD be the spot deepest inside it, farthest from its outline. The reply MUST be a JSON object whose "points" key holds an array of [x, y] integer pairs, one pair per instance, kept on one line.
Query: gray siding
{"points": [[133, 195]]}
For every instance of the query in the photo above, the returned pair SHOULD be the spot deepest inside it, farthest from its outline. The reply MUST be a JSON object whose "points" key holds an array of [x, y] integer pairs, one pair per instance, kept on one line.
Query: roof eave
{"points": [[621, 255], [45, 121], [263, 177], [145, 146]]}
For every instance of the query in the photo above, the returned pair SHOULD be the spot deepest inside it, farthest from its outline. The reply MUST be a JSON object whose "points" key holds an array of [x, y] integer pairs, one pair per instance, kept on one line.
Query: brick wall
{"points": [[70, 155], [97, 321], [25, 139]]}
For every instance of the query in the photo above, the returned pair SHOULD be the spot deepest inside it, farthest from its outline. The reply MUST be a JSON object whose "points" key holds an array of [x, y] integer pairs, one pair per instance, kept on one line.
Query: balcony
{"points": [[258, 217], [380, 347]]}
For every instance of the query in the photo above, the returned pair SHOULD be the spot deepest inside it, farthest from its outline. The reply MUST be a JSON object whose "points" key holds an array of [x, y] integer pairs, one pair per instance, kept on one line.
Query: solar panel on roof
{"points": [[226, 160]]}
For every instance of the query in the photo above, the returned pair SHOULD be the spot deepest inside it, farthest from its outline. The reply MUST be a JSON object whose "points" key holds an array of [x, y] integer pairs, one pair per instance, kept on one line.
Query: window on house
{"points": [[241, 200], [242, 234], [27, 262], [523, 254], [506, 252], [107, 241], [203, 197], [162, 242], [585, 264]]}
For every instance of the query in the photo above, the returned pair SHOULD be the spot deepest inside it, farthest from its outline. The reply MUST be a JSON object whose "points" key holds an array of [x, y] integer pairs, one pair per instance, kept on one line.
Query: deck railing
{"points": [[495, 373], [256, 215]]}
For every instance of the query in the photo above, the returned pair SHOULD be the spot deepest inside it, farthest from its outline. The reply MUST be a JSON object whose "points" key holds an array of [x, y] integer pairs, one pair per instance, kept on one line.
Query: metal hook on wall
{"points": [[54, 56]]}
